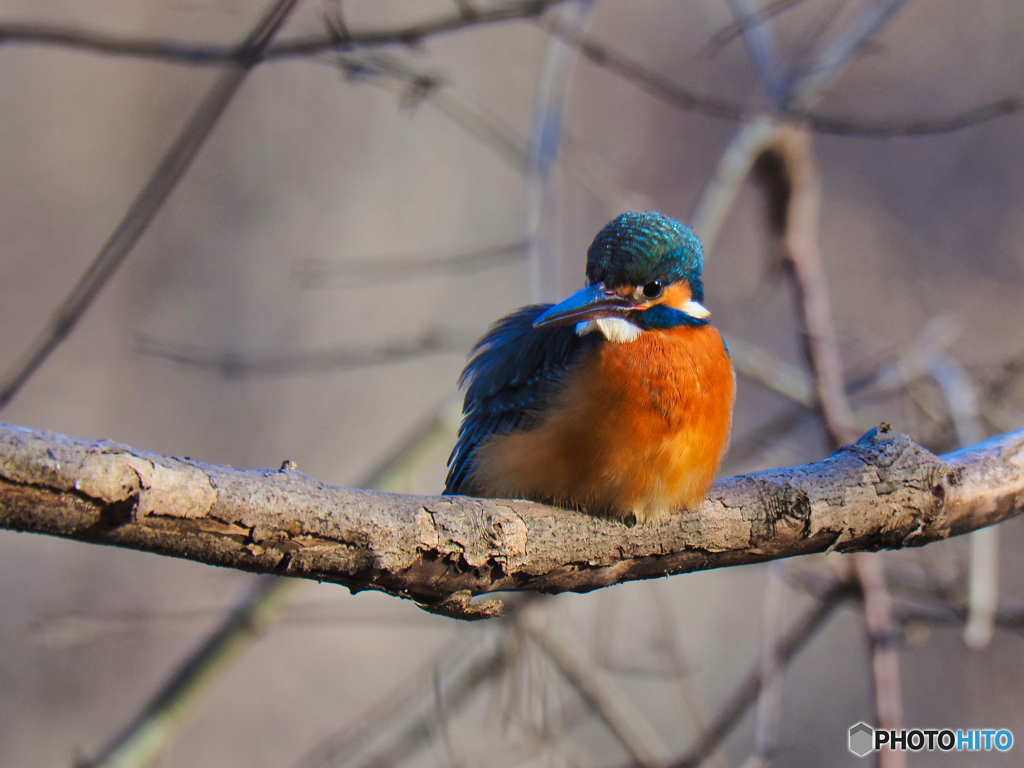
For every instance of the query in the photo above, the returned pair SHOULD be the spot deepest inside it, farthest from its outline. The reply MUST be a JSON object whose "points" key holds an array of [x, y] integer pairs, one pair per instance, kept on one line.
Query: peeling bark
{"points": [[880, 493]]}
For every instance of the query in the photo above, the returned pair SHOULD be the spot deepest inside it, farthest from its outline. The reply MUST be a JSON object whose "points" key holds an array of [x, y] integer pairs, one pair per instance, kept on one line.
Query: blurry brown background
{"points": [[310, 169]]}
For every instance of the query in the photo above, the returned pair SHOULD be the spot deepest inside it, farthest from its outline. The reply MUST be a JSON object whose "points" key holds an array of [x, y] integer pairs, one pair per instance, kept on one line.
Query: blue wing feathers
{"points": [[513, 371]]}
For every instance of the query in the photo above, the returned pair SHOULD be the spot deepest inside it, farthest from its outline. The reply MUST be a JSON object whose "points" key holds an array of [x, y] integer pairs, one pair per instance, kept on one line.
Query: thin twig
{"points": [[769, 703], [816, 30], [983, 598], [992, 406], [220, 55], [761, 367], [576, 162], [150, 730], [809, 86], [399, 472], [182, 52], [173, 51], [941, 611], [662, 88], [1002, 384], [927, 358], [839, 126], [644, 78], [758, 440], [733, 30], [760, 43], [75, 629], [600, 179], [238, 365], [747, 692], [142, 210], [458, 692], [757, 134], [733, 169], [984, 588], [333, 14], [467, 9], [599, 690], [961, 398], [545, 137], [1001, 414], [688, 701], [181, 153], [758, 365], [415, 690], [415, 87], [319, 273], [884, 658], [410, 35]]}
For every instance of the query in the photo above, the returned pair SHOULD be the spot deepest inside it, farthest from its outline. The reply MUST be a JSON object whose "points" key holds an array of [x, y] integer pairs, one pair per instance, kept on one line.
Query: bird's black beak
{"points": [[588, 304]]}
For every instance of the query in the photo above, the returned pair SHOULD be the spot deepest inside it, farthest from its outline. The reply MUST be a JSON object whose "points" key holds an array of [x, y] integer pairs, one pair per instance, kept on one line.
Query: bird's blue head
{"points": [[643, 273], [637, 249]]}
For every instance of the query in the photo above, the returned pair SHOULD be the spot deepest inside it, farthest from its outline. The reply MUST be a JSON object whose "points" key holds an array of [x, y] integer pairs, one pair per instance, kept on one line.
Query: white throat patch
{"points": [[614, 329]]}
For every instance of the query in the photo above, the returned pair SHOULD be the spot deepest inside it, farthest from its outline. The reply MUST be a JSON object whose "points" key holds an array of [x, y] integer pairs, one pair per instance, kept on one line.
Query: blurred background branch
{"points": [[145, 206]]}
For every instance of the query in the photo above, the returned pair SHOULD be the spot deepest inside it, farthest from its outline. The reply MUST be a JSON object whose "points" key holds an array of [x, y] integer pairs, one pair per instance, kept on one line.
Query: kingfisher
{"points": [[616, 401]]}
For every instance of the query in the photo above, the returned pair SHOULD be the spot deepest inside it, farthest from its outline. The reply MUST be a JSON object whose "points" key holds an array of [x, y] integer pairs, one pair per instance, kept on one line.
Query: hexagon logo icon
{"points": [[862, 738]]}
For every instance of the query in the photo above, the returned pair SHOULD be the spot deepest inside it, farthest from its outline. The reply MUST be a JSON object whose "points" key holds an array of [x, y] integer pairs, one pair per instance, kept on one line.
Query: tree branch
{"points": [[793, 194], [310, 45], [878, 493], [116, 45], [199, 54], [240, 365], [545, 137], [885, 663], [759, 133], [415, 86], [761, 48], [731, 31], [788, 174], [252, 50], [599, 689], [149, 200], [746, 693], [318, 273], [142, 740], [662, 88]]}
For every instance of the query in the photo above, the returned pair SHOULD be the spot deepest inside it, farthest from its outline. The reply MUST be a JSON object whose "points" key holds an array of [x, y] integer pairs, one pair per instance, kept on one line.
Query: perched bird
{"points": [[616, 401]]}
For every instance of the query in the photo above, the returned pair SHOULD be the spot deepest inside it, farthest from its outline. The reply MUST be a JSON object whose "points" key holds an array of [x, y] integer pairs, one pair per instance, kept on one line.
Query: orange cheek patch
{"points": [[676, 296]]}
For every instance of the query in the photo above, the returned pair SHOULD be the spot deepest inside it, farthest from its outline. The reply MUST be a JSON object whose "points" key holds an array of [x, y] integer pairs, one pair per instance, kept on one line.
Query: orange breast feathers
{"points": [[639, 431]]}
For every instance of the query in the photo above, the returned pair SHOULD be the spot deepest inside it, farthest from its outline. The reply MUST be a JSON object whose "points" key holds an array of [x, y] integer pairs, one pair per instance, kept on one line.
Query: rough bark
{"points": [[878, 493]]}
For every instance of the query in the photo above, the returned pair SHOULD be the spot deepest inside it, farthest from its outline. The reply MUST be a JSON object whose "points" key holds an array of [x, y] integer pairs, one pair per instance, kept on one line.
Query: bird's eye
{"points": [[653, 289]]}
